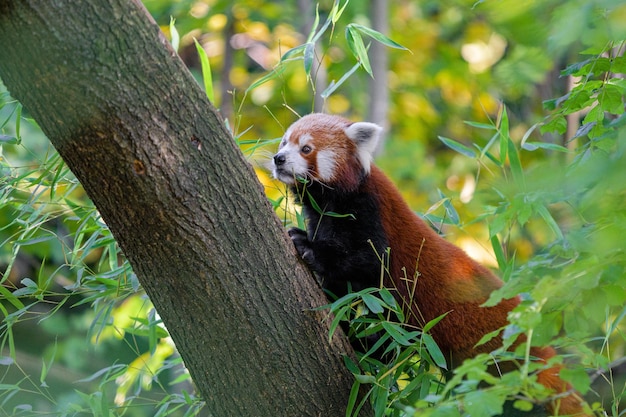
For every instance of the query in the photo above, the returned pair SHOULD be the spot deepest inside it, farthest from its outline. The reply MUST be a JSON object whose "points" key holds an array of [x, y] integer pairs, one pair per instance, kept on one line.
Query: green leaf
{"points": [[339, 315], [574, 68], [478, 125], [558, 124], [497, 249], [619, 65], [398, 333], [451, 212], [175, 41], [433, 322], [489, 335], [8, 140], [434, 351], [388, 298], [336, 12], [45, 367], [373, 304], [356, 45], [516, 165], [577, 377], [523, 405], [314, 37], [275, 73], [334, 85], [352, 367], [547, 217], [483, 403], [316, 23], [611, 99], [365, 379], [353, 398], [377, 36], [380, 342], [318, 209], [309, 55], [292, 52], [7, 295], [504, 134], [206, 72], [458, 147], [533, 146]]}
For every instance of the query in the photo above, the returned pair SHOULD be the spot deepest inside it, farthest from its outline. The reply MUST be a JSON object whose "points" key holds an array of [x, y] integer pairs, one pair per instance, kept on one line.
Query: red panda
{"points": [[327, 162]]}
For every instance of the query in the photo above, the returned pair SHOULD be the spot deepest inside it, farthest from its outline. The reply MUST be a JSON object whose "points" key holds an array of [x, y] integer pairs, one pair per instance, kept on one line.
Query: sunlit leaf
{"points": [[275, 73], [334, 85], [336, 12], [458, 147], [309, 55], [290, 54], [479, 125], [516, 165], [175, 41], [378, 36], [356, 45], [207, 76]]}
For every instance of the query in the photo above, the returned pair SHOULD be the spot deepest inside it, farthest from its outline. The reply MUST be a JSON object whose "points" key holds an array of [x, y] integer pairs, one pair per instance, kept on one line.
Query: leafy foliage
{"points": [[573, 290], [64, 274]]}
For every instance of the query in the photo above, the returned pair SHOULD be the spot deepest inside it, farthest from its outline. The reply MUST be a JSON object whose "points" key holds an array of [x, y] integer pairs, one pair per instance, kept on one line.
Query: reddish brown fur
{"points": [[449, 281], [432, 276], [324, 130]]}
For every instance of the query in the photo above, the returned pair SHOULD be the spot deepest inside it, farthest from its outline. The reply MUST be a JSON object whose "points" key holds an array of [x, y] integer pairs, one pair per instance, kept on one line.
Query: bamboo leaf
{"points": [[319, 34], [316, 23], [309, 55], [458, 147], [334, 85], [275, 73], [175, 37], [293, 51], [336, 12], [356, 45], [207, 77], [479, 125], [379, 37], [547, 217], [504, 134], [434, 351], [516, 164], [373, 304], [497, 249]]}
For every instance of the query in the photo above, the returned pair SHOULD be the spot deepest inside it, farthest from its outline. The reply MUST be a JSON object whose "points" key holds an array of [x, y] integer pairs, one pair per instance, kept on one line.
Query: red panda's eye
{"points": [[306, 149]]}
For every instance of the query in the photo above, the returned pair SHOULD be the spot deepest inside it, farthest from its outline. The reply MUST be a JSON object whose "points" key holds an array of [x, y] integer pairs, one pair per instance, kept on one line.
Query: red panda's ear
{"points": [[365, 135]]}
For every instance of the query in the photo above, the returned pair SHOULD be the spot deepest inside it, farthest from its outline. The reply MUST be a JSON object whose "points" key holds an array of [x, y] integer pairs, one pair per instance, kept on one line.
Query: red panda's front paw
{"points": [[302, 244]]}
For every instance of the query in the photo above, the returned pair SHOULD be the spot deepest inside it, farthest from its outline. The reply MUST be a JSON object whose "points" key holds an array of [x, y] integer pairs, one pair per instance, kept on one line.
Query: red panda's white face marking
{"points": [[325, 148], [292, 160]]}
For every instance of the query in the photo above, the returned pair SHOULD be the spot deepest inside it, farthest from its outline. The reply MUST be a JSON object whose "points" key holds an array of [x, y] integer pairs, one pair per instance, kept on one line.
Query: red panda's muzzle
{"points": [[279, 159], [285, 170]]}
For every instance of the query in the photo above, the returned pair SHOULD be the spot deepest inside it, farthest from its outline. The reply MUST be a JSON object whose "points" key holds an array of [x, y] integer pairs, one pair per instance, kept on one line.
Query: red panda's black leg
{"points": [[302, 245]]}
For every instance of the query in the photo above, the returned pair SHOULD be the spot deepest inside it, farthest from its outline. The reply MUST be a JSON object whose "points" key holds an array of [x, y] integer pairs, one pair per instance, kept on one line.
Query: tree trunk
{"points": [[378, 88], [185, 207]]}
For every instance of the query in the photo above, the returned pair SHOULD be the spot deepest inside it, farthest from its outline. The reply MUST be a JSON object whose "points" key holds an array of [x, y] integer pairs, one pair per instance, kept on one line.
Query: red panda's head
{"points": [[327, 149]]}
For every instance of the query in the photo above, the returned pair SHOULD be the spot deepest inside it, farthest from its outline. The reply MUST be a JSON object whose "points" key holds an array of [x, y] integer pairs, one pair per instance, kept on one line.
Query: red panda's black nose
{"points": [[279, 159]]}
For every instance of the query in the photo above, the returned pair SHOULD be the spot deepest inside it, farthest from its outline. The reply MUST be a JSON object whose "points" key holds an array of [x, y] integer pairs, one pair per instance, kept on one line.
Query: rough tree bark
{"points": [[185, 207]]}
